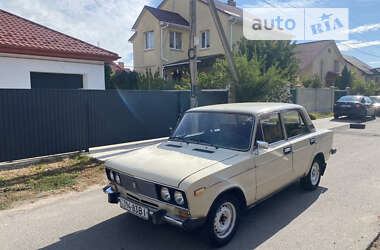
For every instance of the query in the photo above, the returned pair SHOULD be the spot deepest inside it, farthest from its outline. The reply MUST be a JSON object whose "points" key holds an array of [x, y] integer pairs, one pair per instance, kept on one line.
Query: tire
{"points": [[223, 220], [311, 180]]}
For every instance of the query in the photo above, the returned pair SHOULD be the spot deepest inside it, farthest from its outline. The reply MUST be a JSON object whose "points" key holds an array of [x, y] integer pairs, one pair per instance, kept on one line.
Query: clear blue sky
{"points": [[108, 23]]}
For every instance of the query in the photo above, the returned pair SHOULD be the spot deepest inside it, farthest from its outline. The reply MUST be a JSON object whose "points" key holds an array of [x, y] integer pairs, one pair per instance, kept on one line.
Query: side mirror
{"points": [[262, 145]]}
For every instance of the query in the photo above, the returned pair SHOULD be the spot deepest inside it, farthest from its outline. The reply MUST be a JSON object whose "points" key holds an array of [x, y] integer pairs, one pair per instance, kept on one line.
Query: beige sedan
{"points": [[219, 161]]}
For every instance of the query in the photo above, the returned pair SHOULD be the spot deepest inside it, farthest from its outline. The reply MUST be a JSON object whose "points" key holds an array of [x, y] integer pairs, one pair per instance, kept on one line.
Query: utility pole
{"points": [[227, 50], [193, 55]]}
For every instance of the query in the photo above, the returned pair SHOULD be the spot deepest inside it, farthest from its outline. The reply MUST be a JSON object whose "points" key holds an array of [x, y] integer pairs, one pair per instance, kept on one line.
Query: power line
{"points": [[357, 49]]}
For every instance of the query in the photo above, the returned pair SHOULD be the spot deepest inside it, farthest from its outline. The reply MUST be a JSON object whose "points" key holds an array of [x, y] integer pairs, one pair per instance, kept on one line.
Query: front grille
{"points": [[138, 186]]}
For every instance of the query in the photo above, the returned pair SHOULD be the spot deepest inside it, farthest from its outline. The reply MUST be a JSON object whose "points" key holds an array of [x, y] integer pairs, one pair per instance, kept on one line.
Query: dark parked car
{"points": [[354, 107], [376, 100]]}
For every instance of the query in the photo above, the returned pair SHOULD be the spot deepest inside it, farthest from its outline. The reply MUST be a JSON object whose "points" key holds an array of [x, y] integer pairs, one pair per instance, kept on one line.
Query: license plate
{"points": [[135, 209], [345, 106]]}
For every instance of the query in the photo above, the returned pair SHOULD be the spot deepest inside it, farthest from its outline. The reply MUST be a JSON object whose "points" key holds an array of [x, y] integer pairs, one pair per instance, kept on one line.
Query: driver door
{"points": [[273, 165]]}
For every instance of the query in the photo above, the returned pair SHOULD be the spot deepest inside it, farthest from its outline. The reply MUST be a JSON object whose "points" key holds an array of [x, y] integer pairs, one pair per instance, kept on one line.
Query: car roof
{"points": [[248, 107]]}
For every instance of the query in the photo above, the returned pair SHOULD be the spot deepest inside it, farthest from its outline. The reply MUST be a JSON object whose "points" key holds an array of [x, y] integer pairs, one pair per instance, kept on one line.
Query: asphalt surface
{"points": [[344, 213]]}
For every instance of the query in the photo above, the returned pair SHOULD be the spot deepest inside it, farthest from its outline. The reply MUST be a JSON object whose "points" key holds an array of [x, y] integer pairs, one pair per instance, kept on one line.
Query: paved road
{"points": [[344, 213]]}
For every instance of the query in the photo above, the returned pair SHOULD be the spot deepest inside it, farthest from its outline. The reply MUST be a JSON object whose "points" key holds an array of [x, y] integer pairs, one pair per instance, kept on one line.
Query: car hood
{"points": [[169, 163]]}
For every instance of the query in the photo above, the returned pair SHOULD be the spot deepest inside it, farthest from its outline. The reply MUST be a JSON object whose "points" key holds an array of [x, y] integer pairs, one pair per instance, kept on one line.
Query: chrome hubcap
{"points": [[314, 176], [224, 220]]}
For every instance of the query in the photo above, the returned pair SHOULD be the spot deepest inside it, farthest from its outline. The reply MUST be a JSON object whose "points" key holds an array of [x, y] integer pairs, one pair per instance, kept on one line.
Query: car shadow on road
{"points": [[351, 120], [257, 225]]}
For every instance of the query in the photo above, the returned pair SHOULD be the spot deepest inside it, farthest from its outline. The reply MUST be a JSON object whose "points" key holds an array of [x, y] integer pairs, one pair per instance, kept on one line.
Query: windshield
{"points": [[376, 99], [225, 130], [349, 98]]}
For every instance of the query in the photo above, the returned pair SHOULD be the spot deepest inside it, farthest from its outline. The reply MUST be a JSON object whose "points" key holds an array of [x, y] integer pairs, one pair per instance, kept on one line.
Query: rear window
{"points": [[349, 98]]}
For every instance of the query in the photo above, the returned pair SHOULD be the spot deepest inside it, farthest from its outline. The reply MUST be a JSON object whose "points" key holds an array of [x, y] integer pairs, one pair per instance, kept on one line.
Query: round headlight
{"points": [[112, 175], [117, 178], [165, 195], [178, 197]]}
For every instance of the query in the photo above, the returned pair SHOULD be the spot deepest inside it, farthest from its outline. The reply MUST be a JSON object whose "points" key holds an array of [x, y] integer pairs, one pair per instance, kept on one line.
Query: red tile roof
{"points": [[21, 36]]}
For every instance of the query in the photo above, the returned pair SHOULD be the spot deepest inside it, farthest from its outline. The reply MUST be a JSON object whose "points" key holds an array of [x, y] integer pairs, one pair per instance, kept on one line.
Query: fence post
{"points": [[297, 94], [332, 92]]}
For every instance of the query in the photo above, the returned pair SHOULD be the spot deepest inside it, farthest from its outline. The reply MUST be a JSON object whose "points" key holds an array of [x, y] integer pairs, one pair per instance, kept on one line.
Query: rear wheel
{"points": [[223, 220], [311, 181]]}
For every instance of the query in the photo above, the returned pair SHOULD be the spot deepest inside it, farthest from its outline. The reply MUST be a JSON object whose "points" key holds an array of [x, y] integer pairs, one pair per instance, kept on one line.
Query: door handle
{"points": [[287, 150], [313, 141]]}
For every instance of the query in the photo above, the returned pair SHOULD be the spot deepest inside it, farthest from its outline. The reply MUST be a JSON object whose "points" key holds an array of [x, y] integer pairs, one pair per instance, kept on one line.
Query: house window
{"points": [[175, 40], [336, 66], [205, 39], [149, 40]]}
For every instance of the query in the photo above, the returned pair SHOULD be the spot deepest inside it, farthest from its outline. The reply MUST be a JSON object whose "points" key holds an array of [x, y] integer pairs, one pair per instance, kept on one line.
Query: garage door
{"points": [[56, 81]]}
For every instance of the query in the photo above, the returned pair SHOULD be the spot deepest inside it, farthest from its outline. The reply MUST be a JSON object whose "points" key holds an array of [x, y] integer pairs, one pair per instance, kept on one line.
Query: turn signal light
{"points": [[183, 214], [199, 191], [113, 187]]}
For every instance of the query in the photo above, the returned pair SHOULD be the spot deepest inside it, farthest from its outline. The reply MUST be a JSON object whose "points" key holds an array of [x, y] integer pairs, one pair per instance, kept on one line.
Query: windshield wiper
{"points": [[178, 138]]}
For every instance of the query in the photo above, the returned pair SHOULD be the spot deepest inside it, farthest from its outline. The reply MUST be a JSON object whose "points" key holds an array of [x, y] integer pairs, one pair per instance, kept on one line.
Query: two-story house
{"points": [[161, 38], [323, 58]]}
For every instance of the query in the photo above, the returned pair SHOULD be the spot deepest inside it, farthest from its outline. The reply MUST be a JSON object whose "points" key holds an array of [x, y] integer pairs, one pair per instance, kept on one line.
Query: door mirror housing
{"points": [[262, 145]]}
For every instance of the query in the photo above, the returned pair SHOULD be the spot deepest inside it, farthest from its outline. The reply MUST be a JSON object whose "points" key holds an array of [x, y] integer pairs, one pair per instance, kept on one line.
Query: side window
{"points": [[294, 124], [271, 128]]}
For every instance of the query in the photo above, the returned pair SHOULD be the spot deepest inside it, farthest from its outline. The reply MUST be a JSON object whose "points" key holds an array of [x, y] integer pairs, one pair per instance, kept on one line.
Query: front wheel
{"points": [[311, 181], [223, 220]]}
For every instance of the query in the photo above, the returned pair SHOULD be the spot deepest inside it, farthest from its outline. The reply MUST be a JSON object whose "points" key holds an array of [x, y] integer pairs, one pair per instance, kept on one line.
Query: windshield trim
{"points": [[218, 146]]}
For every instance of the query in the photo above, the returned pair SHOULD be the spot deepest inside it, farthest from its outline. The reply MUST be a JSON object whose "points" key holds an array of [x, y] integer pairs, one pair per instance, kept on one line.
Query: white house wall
{"points": [[15, 70]]}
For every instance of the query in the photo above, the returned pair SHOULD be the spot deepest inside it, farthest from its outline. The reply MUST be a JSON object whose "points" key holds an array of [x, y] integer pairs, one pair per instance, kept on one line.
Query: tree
{"points": [[345, 79], [123, 80], [149, 81], [313, 82], [107, 75], [271, 53], [266, 71]]}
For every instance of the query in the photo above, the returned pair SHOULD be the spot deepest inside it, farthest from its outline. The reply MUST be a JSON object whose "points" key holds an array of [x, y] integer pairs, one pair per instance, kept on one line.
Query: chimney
{"points": [[121, 65], [231, 3]]}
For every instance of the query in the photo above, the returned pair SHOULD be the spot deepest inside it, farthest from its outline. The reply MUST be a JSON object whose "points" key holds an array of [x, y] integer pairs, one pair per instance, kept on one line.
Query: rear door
{"points": [[301, 139], [273, 165]]}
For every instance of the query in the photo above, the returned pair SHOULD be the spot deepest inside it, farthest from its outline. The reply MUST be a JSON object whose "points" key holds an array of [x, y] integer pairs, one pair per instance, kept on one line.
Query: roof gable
{"points": [[21, 36], [306, 52], [162, 16], [223, 7], [359, 64]]}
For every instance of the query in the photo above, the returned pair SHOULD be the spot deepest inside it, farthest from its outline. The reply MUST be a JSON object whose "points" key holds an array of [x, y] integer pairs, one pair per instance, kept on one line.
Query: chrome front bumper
{"points": [[159, 216]]}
